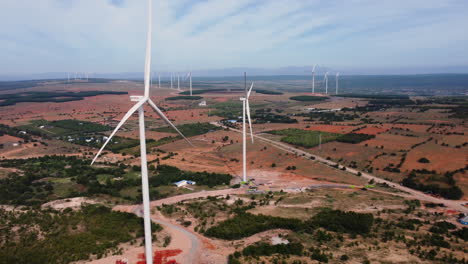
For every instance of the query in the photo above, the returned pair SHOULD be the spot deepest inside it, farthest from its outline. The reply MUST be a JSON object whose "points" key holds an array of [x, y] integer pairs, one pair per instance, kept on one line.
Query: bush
{"points": [[423, 160]]}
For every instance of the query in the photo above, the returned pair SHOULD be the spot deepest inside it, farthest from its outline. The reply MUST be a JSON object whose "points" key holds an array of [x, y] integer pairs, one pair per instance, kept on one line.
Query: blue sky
{"points": [[107, 36]]}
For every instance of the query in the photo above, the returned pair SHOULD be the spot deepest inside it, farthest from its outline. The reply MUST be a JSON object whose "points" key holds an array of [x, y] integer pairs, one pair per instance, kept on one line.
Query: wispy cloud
{"points": [[108, 35]]}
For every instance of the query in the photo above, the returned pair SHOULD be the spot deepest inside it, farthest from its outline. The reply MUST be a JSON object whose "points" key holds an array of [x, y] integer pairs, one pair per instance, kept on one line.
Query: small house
{"points": [[202, 103], [183, 183]]}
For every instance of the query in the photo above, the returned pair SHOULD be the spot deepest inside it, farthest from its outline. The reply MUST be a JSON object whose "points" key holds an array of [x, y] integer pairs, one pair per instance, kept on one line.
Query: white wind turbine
{"points": [[190, 76], [171, 79], [245, 109], [178, 81], [326, 82], [141, 100], [159, 81], [337, 75], [313, 78]]}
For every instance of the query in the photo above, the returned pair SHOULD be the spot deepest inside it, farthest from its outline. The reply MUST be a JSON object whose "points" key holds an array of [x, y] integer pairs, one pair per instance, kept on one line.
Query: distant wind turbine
{"points": [[313, 78], [245, 110], [326, 82], [337, 75], [190, 83], [171, 79], [178, 81], [159, 81], [141, 100]]}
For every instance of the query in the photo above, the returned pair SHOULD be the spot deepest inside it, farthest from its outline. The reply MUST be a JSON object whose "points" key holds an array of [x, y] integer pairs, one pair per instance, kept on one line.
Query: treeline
{"points": [[354, 138], [308, 98], [183, 97], [49, 236], [328, 117], [262, 118], [246, 224], [77, 126], [375, 96], [265, 249], [167, 175], [57, 97], [202, 91], [190, 130], [267, 92]]}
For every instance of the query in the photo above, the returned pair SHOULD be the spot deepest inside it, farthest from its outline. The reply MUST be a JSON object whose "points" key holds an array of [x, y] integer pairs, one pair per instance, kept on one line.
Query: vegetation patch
{"points": [[354, 138], [183, 97], [304, 138], [268, 92], [308, 98], [167, 175], [49, 236], [246, 224], [56, 97], [190, 130]]}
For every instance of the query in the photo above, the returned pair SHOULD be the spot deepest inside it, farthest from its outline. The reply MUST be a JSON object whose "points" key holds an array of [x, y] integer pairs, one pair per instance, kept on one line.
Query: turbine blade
{"points": [[250, 120], [148, 50], [161, 114], [125, 118], [250, 90]]}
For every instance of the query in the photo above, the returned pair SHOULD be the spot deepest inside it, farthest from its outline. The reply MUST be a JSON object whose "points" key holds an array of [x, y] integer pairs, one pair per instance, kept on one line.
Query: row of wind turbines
{"points": [[140, 102], [173, 80], [325, 80]]}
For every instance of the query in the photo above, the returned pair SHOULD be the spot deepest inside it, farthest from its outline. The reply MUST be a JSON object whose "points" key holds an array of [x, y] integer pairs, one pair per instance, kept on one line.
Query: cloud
{"points": [[94, 35]]}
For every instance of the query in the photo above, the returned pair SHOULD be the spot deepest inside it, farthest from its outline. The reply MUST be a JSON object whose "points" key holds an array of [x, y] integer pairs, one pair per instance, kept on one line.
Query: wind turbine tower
{"points": [[190, 80], [245, 111], [178, 81], [337, 75], [326, 82], [313, 79], [171, 79], [140, 102]]}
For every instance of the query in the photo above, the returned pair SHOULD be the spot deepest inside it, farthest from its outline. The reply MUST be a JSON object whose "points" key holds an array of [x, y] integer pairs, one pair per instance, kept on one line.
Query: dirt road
{"points": [[454, 204]]}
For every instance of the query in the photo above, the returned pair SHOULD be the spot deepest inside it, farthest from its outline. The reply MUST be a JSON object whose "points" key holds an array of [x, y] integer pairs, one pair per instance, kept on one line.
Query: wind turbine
{"points": [[178, 81], [159, 81], [245, 109], [171, 80], [313, 78], [140, 101], [337, 75], [190, 75], [326, 82]]}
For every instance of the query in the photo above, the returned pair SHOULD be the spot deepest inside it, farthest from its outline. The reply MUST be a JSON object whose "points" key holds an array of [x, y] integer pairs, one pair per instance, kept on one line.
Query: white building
{"points": [[202, 103], [183, 183]]}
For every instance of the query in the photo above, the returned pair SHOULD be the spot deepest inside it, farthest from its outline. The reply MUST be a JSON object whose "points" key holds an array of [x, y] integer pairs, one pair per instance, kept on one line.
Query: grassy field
{"points": [[305, 138]]}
